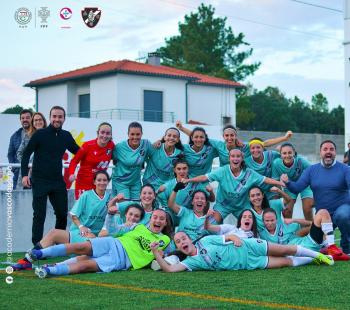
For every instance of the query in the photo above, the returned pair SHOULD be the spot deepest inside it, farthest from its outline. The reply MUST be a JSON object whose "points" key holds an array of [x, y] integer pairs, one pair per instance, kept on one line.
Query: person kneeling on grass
{"points": [[293, 231], [130, 251], [232, 253], [246, 226]]}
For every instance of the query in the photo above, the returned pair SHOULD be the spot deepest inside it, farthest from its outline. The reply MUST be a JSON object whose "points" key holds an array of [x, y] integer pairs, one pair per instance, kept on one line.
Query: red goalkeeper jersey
{"points": [[92, 158]]}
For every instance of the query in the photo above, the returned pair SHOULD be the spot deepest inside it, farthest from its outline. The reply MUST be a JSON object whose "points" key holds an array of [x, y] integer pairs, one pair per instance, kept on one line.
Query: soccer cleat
{"points": [[33, 255], [323, 259], [337, 254], [42, 272], [22, 264]]}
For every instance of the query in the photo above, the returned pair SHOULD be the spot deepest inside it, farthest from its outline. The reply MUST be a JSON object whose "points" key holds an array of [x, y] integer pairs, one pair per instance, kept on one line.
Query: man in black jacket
{"points": [[48, 145]]}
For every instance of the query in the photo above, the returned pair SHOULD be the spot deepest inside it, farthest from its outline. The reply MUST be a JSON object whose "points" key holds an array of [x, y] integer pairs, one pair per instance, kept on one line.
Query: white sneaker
{"points": [[41, 272]]}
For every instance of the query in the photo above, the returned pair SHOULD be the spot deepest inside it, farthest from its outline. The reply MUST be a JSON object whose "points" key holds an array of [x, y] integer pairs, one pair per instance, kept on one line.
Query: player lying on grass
{"points": [[88, 215], [246, 226], [291, 230], [232, 253], [130, 251]]}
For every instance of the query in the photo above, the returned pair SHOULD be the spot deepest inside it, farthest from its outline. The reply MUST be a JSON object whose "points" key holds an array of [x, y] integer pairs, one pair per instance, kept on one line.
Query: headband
{"points": [[255, 141]]}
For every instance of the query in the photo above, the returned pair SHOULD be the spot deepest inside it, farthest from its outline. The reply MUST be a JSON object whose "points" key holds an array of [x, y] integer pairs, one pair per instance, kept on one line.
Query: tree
{"points": [[206, 45], [319, 103], [13, 110]]}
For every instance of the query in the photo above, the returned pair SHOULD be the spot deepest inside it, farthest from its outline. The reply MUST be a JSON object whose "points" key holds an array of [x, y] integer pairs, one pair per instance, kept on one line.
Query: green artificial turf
{"points": [[307, 286]]}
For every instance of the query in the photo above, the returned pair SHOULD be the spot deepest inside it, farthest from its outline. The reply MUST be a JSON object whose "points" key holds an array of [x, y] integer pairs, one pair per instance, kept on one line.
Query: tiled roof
{"points": [[133, 67]]}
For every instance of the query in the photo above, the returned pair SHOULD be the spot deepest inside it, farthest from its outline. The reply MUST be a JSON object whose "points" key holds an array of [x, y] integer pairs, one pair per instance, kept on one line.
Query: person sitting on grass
{"points": [[291, 230], [106, 254], [115, 226], [246, 226], [232, 253], [88, 214]]}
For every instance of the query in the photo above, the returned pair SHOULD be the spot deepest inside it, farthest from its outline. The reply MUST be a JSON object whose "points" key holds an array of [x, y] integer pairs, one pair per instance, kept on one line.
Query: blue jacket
{"points": [[15, 142]]}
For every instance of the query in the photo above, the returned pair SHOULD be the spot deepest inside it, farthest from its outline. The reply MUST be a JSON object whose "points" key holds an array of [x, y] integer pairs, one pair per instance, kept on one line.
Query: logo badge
{"points": [[23, 16], [44, 14], [66, 13], [91, 16]]}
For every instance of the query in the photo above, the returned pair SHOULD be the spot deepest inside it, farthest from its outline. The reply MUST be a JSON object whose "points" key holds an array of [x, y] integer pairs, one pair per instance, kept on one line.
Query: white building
{"points": [[135, 91]]}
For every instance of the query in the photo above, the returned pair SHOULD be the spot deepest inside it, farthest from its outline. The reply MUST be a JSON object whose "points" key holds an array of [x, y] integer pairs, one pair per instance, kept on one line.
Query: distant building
{"points": [[131, 90]]}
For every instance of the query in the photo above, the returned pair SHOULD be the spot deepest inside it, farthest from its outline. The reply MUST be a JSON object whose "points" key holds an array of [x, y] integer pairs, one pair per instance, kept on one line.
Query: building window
{"points": [[84, 106], [153, 106]]}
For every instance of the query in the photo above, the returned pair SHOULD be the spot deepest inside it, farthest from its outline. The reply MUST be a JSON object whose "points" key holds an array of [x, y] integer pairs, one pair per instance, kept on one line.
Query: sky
{"points": [[299, 46]]}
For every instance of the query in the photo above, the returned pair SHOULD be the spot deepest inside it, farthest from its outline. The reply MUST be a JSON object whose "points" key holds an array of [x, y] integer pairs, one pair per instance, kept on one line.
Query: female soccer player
{"points": [[291, 231], [184, 196], [88, 215], [246, 226], [293, 165], [259, 202], [190, 221], [129, 157], [160, 162], [93, 155], [38, 122], [231, 141], [199, 153], [232, 253], [234, 182], [114, 224], [130, 251], [147, 202]]}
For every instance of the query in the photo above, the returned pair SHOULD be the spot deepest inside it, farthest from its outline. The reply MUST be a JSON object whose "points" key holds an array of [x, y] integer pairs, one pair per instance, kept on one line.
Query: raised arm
{"points": [[274, 141], [171, 202], [198, 179], [182, 128]]}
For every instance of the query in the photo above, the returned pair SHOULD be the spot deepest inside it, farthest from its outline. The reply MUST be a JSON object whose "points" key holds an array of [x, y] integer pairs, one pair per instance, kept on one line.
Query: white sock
{"points": [[299, 261], [304, 252], [68, 261], [327, 228]]}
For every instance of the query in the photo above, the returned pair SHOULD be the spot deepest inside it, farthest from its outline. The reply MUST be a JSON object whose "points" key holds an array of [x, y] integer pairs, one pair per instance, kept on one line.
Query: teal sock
{"points": [[54, 251]]}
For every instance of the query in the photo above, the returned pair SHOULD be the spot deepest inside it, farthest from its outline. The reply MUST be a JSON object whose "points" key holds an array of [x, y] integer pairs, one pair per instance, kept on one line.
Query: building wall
{"points": [[130, 90], [103, 93], [209, 104], [49, 96]]}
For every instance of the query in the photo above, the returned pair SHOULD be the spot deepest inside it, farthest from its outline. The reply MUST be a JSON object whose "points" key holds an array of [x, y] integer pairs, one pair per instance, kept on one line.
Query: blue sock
{"points": [[54, 251], [69, 261], [58, 270]]}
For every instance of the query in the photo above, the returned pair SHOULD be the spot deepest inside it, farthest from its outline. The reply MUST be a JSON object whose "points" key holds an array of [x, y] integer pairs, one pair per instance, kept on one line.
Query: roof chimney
{"points": [[153, 59]]}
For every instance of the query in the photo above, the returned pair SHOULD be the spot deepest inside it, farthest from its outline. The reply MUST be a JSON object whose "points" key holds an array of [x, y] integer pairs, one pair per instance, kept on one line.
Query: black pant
{"points": [[57, 194]]}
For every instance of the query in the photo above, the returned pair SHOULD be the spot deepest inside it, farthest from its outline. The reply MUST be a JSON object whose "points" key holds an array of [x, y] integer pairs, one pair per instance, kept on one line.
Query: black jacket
{"points": [[48, 145]]}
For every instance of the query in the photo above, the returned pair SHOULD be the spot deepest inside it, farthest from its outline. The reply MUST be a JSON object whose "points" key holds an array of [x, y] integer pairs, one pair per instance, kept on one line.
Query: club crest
{"points": [[91, 16]]}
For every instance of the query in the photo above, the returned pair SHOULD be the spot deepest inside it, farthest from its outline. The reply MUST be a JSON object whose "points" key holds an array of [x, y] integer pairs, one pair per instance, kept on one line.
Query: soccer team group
{"points": [[169, 217]]}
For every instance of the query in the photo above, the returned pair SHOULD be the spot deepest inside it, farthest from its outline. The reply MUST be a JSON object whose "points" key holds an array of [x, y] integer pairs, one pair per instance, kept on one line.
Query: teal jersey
{"points": [[115, 225], [129, 162], [277, 205], [183, 196], [122, 206], [233, 191], [223, 152], [91, 211], [191, 224], [284, 233], [293, 172], [199, 162], [265, 168], [160, 166], [213, 253]]}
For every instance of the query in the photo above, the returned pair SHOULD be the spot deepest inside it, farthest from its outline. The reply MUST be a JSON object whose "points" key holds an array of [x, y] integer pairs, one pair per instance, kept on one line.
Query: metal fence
{"points": [[128, 114]]}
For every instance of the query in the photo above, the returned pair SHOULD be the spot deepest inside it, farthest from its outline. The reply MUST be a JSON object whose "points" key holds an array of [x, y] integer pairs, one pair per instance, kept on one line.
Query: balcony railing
{"points": [[128, 114]]}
